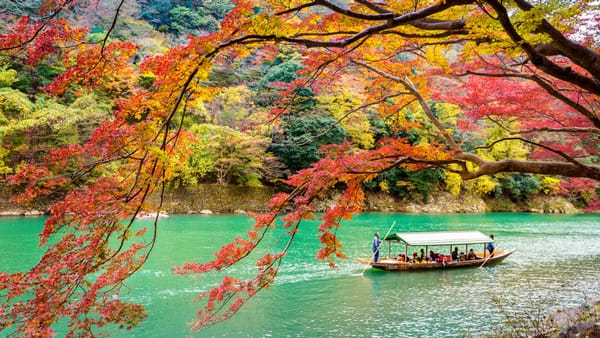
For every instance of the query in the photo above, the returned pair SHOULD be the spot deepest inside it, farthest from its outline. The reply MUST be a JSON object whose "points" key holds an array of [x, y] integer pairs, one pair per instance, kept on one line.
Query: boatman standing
{"points": [[375, 247], [490, 246]]}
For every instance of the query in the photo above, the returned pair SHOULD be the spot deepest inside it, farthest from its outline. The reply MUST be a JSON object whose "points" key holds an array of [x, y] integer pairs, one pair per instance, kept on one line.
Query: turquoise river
{"points": [[556, 266]]}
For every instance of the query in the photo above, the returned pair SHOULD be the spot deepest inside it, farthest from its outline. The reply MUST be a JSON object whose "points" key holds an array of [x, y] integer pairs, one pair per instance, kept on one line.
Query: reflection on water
{"points": [[555, 267]]}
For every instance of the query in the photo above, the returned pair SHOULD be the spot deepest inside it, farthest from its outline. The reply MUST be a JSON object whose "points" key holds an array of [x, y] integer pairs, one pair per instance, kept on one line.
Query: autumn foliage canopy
{"points": [[523, 75]]}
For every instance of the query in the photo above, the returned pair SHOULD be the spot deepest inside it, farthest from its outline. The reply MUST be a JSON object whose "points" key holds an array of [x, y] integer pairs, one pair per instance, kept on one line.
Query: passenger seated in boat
{"points": [[433, 256], [455, 254], [462, 256], [401, 257], [471, 255], [415, 258]]}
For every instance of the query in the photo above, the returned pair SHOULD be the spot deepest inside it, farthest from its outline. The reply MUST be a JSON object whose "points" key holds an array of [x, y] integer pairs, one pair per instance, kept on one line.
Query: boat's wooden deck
{"points": [[393, 264]]}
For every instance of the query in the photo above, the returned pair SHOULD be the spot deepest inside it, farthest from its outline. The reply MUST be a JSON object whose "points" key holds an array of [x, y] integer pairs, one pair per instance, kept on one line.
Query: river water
{"points": [[556, 266]]}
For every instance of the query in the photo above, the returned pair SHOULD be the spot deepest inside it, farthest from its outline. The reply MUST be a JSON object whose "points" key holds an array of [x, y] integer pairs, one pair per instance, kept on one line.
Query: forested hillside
{"points": [[233, 137], [105, 104]]}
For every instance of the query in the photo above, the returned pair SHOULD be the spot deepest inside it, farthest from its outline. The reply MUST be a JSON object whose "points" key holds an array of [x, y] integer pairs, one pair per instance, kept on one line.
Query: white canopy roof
{"points": [[440, 238]]}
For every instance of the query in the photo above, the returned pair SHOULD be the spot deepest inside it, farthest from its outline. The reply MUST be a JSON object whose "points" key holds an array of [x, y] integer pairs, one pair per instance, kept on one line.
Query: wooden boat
{"points": [[436, 239]]}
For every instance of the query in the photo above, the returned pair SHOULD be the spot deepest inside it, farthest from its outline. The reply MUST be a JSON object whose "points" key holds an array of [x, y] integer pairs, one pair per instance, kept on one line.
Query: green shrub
{"points": [[298, 146], [408, 184], [519, 187]]}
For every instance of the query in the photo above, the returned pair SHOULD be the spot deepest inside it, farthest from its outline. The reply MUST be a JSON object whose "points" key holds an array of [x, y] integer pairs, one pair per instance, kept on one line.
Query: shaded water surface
{"points": [[556, 266]]}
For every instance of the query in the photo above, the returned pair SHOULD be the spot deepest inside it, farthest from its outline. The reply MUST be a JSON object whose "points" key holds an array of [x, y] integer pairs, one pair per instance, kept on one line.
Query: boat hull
{"points": [[391, 264]]}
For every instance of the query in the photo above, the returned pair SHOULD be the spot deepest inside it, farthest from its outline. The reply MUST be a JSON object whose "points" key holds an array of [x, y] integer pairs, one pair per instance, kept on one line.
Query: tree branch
{"points": [[546, 65], [579, 54], [411, 88], [544, 168]]}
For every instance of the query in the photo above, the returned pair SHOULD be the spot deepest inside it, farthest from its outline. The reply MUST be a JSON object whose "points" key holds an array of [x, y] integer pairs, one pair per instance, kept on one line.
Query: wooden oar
{"points": [[373, 257]]}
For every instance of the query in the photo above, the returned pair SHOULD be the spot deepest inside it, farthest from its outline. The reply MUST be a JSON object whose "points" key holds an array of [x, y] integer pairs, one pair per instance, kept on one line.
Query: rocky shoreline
{"points": [[219, 199], [583, 321]]}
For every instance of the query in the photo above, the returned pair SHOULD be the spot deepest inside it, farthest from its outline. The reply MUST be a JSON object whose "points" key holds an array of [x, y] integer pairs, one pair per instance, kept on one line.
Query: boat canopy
{"points": [[439, 238]]}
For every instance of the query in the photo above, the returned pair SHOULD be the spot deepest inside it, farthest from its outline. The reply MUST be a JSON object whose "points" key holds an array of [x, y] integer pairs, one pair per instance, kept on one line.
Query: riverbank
{"points": [[229, 199], [581, 321]]}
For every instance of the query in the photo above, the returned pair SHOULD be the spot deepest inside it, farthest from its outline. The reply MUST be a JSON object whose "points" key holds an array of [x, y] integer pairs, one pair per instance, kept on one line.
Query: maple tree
{"points": [[227, 154], [517, 72]]}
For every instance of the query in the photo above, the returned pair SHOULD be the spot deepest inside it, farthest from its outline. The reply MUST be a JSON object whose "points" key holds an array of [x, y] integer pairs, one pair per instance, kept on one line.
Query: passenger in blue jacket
{"points": [[375, 247]]}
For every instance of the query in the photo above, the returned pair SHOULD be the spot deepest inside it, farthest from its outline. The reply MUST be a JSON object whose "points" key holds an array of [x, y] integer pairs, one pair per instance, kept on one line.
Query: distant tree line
{"points": [[230, 138]]}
